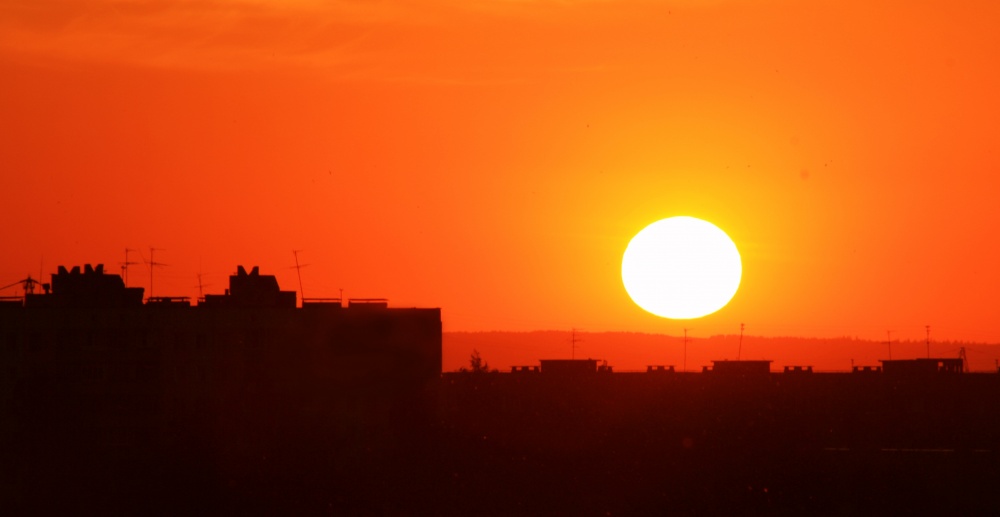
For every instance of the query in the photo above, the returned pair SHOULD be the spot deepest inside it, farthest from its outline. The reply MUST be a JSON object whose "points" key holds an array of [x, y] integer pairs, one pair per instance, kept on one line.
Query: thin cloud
{"points": [[205, 34], [443, 42]]}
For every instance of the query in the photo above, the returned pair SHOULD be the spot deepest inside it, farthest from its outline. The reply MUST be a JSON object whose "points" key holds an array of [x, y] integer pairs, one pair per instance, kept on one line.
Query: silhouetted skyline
{"points": [[250, 402]]}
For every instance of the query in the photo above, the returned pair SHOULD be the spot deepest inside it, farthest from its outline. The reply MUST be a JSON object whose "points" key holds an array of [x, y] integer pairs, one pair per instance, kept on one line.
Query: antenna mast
{"points": [[740, 350], [28, 284], [888, 342], [573, 342], [298, 271], [152, 265], [928, 327], [126, 264]]}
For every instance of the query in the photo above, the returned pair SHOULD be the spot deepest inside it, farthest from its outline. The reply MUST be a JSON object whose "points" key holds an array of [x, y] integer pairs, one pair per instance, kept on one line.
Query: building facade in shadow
{"points": [[103, 394]]}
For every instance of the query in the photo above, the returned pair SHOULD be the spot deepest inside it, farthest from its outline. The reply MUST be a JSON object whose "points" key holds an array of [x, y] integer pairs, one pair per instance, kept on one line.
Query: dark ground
{"points": [[506, 444]]}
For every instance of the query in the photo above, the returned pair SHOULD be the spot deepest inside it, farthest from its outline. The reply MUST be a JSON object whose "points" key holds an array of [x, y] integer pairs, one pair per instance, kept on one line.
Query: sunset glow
{"points": [[494, 158]]}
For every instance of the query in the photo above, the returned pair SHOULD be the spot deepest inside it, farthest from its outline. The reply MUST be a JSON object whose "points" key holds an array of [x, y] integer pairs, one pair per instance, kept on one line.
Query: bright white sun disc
{"points": [[681, 268]]}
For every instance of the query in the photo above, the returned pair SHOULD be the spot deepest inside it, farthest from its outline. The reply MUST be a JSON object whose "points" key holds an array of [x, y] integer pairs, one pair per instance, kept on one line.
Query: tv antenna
{"points": [[573, 341], [152, 265], [201, 288], [928, 328], [298, 271], [28, 283], [125, 266], [201, 284], [888, 342]]}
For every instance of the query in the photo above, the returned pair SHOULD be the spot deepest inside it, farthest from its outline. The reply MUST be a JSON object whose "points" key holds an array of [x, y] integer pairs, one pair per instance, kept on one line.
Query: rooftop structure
{"points": [[920, 366], [252, 290], [569, 367], [739, 367], [91, 322]]}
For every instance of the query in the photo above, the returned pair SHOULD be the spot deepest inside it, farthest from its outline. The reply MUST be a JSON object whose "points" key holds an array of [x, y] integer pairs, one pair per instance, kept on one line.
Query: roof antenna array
{"points": [[152, 264], [298, 271], [125, 266], [28, 284], [201, 290]]}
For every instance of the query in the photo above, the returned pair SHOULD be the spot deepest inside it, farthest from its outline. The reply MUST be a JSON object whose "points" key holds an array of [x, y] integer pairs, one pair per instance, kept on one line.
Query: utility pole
{"points": [[740, 351], [573, 342]]}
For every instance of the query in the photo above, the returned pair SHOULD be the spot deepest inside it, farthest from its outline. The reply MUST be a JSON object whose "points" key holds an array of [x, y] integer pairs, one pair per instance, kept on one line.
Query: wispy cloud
{"points": [[428, 41], [196, 34]]}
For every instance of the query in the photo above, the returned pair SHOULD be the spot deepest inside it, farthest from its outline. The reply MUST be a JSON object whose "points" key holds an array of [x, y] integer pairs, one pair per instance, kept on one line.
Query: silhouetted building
{"points": [[739, 367], [916, 367], [367, 303], [252, 290], [90, 288], [569, 367], [94, 335]]}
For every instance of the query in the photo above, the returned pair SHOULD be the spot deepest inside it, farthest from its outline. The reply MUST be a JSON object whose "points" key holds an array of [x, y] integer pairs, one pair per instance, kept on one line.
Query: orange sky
{"points": [[493, 158]]}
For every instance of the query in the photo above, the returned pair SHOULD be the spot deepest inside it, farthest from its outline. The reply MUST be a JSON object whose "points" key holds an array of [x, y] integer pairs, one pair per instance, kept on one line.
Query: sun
{"points": [[681, 268]]}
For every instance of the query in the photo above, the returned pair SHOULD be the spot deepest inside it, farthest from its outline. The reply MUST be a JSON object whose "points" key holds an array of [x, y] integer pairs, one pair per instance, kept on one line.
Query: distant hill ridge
{"points": [[629, 351]]}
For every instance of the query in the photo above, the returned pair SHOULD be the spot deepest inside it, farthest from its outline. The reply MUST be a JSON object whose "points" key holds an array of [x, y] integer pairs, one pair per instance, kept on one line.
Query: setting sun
{"points": [[681, 268]]}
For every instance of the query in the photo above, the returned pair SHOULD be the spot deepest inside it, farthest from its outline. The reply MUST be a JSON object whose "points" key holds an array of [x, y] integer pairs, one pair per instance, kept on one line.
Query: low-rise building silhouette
{"points": [[739, 367], [922, 366]]}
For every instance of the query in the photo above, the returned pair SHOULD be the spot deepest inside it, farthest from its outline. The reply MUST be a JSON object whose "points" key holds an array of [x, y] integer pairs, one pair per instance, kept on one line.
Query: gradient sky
{"points": [[493, 158]]}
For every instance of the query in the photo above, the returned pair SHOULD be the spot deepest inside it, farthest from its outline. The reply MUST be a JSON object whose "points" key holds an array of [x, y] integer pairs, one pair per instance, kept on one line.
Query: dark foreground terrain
{"points": [[510, 444]]}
